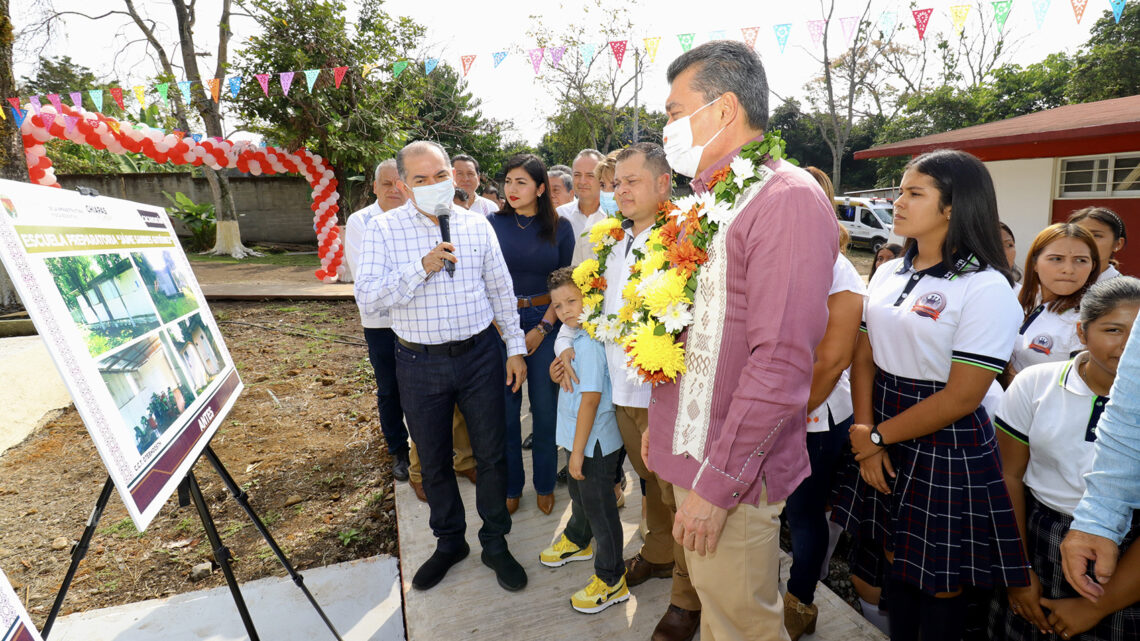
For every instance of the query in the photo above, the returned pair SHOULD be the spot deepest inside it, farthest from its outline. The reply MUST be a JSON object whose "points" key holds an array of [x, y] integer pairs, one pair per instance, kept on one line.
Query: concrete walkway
{"points": [[362, 598], [32, 388]]}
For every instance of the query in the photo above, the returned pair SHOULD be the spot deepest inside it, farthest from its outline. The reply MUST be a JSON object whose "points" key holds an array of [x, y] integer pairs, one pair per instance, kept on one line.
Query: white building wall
{"points": [[1025, 197]]}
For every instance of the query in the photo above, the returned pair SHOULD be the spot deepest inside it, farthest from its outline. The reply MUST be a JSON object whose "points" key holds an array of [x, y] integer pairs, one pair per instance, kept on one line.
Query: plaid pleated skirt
{"points": [[1046, 529], [948, 519]]}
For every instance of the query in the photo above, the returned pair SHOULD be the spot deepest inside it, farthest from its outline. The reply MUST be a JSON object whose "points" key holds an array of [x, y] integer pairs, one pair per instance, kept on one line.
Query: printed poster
{"points": [[112, 295], [14, 622]]}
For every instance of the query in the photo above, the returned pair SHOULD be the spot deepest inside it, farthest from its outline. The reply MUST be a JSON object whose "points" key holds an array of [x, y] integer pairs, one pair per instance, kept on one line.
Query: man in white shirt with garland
{"points": [[465, 170], [586, 209]]}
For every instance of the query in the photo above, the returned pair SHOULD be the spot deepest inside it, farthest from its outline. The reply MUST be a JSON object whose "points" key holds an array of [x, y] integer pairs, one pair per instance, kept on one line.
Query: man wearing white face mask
{"points": [[447, 352]]}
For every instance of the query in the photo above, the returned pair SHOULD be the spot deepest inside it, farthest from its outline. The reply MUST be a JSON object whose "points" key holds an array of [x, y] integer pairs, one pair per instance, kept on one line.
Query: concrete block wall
{"points": [[270, 208]]}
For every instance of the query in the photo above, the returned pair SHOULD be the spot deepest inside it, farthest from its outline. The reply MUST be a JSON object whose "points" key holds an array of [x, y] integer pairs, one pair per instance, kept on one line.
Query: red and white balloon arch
{"points": [[101, 132]]}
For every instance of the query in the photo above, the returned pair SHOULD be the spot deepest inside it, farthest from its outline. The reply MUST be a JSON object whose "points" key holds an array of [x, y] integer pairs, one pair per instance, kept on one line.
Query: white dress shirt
{"points": [[435, 308], [353, 243], [581, 222], [484, 206]]}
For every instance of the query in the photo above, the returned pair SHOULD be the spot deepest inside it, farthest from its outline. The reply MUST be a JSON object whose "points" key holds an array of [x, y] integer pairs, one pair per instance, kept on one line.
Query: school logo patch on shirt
{"points": [[1042, 344], [930, 305]]}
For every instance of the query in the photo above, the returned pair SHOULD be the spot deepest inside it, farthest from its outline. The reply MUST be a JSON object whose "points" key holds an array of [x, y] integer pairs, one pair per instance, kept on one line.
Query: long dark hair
{"points": [[547, 218], [1107, 217], [965, 184], [1046, 237], [895, 249]]}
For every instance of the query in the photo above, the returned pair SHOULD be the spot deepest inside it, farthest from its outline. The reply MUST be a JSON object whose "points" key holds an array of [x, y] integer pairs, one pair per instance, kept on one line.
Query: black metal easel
{"points": [[188, 491]]}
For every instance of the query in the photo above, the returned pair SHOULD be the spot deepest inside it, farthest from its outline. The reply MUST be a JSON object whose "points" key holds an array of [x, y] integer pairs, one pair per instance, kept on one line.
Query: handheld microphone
{"points": [[443, 213]]}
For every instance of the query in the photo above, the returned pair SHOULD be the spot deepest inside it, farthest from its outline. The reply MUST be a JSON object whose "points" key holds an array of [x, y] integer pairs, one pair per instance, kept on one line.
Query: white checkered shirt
{"points": [[433, 309], [353, 244]]}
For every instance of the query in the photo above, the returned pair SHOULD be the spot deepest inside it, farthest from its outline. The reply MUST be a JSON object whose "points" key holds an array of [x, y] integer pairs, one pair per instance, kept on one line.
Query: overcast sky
{"points": [[511, 91]]}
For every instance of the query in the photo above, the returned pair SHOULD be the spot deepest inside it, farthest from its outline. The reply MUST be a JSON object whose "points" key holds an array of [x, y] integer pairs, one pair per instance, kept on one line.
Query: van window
{"points": [[845, 213], [869, 219]]}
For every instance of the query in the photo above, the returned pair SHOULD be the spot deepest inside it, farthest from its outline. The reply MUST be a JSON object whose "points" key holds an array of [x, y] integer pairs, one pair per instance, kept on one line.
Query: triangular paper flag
{"points": [[77, 99], [958, 14], [196, 137], [69, 123], [749, 34], [815, 28], [235, 86], [1117, 8], [3, 116], [15, 102], [93, 122], [686, 40], [850, 25], [651, 45], [921, 20], [556, 55], [398, 68], [35, 100], [498, 57], [184, 87], [179, 134], [782, 33], [888, 20], [338, 75], [618, 47], [1079, 9], [587, 52], [163, 90], [48, 119], [716, 35], [263, 80], [429, 65], [1040, 10], [311, 77], [140, 95], [20, 116], [117, 94], [55, 102], [114, 124], [536, 56], [466, 61], [97, 98], [286, 81], [1001, 12], [215, 85], [367, 69]]}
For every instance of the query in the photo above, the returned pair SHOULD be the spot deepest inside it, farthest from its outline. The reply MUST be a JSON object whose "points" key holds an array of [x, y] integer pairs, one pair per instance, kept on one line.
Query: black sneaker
{"points": [[435, 568], [510, 574], [400, 467], [528, 442], [564, 475]]}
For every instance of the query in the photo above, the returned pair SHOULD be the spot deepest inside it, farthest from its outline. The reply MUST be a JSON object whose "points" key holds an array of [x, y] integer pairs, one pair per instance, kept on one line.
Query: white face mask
{"points": [[429, 197], [607, 202], [683, 156]]}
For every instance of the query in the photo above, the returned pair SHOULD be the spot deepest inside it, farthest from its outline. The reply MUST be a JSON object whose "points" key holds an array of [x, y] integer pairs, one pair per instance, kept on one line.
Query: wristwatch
{"points": [[876, 436], [545, 328]]}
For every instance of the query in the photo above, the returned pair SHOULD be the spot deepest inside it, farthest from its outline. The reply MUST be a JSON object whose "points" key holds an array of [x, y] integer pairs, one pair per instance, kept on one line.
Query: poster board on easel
{"points": [[112, 295], [15, 625]]}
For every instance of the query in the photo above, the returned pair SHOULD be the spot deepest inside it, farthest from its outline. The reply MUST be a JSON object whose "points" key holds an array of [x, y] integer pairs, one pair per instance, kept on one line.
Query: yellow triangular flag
{"points": [[140, 93], [366, 70], [651, 45], [959, 13]]}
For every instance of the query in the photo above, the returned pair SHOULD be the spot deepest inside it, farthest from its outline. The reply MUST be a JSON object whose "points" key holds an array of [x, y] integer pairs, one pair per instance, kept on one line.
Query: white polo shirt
{"points": [[581, 222], [484, 206], [1046, 337], [1050, 408], [1108, 274], [921, 322], [844, 278]]}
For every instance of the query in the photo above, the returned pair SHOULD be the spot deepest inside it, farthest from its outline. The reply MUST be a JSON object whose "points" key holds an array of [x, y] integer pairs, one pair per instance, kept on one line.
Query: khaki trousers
{"points": [[463, 459], [739, 583], [660, 509]]}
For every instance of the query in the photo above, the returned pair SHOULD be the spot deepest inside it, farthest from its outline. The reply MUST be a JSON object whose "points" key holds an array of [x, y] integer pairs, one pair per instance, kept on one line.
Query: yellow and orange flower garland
{"points": [[658, 298]]}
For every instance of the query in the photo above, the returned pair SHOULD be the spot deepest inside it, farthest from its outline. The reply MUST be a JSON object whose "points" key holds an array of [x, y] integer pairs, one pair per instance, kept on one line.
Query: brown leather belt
{"points": [[534, 301]]}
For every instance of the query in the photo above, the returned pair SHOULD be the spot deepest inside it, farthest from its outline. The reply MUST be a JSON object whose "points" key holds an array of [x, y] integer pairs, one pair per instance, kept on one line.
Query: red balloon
{"points": [[320, 274]]}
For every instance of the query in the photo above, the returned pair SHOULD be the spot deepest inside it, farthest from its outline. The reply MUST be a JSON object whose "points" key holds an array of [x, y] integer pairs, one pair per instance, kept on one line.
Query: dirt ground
{"points": [[303, 440]]}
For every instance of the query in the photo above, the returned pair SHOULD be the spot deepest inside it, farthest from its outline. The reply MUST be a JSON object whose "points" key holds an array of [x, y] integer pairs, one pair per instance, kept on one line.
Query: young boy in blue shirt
{"points": [[587, 428]]}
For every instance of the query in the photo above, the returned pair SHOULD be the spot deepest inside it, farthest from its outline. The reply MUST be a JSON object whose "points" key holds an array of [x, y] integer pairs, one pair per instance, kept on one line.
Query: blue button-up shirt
{"points": [[593, 376], [434, 308], [1112, 489]]}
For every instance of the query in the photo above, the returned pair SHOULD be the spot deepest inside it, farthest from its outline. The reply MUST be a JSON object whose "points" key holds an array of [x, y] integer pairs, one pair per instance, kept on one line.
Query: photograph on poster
{"points": [[166, 282], [149, 389], [105, 297], [197, 350]]}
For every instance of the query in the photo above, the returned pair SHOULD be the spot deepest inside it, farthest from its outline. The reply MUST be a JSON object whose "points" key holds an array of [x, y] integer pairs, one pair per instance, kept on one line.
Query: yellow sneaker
{"points": [[563, 552], [598, 596]]}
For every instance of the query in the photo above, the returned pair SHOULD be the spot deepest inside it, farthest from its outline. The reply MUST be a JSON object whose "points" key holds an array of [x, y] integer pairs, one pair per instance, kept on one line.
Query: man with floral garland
{"points": [[728, 426]]}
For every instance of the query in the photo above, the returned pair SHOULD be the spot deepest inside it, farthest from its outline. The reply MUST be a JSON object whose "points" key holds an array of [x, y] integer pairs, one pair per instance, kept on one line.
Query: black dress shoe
{"points": [[400, 467], [511, 575], [564, 475], [528, 442], [435, 568]]}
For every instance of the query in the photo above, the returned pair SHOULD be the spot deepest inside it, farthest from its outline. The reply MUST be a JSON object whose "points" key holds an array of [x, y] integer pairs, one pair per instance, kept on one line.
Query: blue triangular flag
{"points": [[587, 52], [499, 56], [196, 137], [235, 86], [20, 116], [1117, 8], [97, 98], [430, 65], [311, 77], [716, 35], [184, 86]]}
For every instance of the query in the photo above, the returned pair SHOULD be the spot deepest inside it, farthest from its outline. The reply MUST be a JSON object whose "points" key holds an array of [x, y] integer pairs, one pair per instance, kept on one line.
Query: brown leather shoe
{"points": [[469, 473], [546, 503], [419, 490], [512, 505], [678, 624], [799, 619], [638, 570]]}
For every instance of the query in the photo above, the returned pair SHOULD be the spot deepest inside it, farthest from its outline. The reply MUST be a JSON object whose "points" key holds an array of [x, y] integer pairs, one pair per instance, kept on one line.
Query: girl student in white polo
{"points": [[1046, 430], [940, 323], [1109, 233], [1062, 263]]}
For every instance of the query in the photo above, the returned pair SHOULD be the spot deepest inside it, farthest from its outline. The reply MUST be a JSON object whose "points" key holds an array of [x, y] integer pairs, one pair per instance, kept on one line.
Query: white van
{"points": [[868, 220]]}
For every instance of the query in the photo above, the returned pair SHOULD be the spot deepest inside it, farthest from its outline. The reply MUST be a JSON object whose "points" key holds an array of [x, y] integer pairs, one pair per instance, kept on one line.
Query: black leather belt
{"points": [[454, 348]]}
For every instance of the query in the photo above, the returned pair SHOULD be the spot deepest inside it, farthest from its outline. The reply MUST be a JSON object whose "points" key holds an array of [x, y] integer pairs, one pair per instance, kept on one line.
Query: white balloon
{"points": [[255, 169], [115, 147], [189, 156], [40, 134]]}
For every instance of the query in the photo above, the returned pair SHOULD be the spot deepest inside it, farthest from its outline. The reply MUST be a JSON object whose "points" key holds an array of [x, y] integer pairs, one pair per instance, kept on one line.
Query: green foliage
{"points": [[199, 218], [587, 125], [1107, 65]]}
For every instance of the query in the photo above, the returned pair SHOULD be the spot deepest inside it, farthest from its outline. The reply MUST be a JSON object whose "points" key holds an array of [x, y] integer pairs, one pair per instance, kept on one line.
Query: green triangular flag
{"points": [[162, 89], [398, 68], [686, 40], [1001, 12]]}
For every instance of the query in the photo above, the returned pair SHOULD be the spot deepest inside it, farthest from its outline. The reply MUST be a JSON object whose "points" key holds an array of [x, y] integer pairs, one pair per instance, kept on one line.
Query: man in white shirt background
{"points": [[465, 170], [585, 210], [561, 185]]}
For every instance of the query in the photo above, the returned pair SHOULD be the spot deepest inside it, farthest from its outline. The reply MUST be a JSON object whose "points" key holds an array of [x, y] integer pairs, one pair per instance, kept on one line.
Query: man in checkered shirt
{"points": [[448, 352]]}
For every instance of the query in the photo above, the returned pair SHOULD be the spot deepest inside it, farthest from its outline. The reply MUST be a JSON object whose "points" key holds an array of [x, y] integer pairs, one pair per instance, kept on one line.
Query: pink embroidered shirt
{"points": [[760, 311]]}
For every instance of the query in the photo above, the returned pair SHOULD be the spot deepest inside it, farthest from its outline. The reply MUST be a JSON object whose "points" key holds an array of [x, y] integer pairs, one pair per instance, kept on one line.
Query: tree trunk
{"points": [[12, 163]]}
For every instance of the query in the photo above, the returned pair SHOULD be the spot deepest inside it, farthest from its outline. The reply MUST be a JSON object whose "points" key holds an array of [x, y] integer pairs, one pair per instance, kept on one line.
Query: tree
{"points": [[1106, 65], [574, 128], [364, 121], [12, 164]]}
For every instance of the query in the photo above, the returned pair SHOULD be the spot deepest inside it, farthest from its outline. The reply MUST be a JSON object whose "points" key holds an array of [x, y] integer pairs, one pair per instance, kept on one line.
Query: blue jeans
{"points": [[594, 514], [805, 508], [543, 395], [431, 386], [382, 354]]}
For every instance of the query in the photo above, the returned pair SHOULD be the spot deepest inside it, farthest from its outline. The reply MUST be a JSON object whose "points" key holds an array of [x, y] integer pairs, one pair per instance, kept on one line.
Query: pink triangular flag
{"points": [[815, 28], [338, 75], [54, 98], [263, 80], [286, 81], [15, 102], [750, 35], [618, 47], [35, 100], [48, 120], [69, 123], [536, 57], [77, 99], [556, 55], [849, 25], [921, 20], [93, 122]]}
